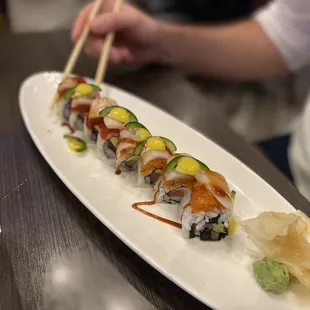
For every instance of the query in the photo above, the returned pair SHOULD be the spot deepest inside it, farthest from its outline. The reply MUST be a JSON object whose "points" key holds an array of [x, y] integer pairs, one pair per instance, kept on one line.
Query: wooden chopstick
{"points": [[101, 69], [78, 46]]}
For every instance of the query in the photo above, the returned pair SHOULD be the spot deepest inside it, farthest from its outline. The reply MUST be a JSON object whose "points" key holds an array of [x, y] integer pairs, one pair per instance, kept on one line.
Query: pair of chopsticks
{"points": [[101, 68]]}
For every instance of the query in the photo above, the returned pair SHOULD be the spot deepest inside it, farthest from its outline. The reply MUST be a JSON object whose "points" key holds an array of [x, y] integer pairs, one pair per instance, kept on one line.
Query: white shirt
{"points": [[287, 23]]}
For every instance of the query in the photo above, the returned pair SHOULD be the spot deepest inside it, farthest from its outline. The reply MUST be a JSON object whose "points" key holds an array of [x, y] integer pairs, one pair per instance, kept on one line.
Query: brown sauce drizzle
{"points": [[162, 219], [155, 163], [91, 122], [72, 131]]}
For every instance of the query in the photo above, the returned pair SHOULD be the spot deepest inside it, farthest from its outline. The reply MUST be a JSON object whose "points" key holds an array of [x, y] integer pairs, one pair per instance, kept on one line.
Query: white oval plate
{"points": [[219, 273]]}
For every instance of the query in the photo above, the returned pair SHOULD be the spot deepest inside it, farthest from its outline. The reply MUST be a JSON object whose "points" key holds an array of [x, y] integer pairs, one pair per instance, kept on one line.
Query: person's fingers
{"points": [[93, 46], [107, 5], [82, 17], [104, 23], [117, 55], [80, 22]]}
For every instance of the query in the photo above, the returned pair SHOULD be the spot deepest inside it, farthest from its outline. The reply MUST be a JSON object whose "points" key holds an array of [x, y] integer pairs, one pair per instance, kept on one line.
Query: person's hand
{"points": [[136, 34]]}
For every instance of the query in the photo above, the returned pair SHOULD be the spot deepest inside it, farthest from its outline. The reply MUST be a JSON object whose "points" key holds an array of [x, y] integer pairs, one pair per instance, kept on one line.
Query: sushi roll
{"points": [[207, 211], [151, 155], [129, 137], [114, 120], [67, 84], [79, 100], [178, 178], [93, 120]]}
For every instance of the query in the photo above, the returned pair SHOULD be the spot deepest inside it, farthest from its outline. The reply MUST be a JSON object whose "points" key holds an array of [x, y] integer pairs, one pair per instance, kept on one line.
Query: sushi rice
{"points": [[204, 224]]}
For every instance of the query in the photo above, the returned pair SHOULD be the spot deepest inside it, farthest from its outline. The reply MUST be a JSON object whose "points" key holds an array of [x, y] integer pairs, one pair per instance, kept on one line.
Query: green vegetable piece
{"points": [[174, 162], [132, 117], [219, 228], [95, 88], [202, 165], [233, 195], [75, 144], [137, 150], [69, 93], [134, 125], [133, 158], [169, 144], [104, 112], [271, 275], [114, 141]]}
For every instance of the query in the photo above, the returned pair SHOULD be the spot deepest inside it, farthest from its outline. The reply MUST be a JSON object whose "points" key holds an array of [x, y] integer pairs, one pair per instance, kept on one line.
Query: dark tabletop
{"points": [[54, 254]]}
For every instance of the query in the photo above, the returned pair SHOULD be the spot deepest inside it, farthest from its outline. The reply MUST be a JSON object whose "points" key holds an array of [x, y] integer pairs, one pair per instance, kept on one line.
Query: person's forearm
{"points": [[240, 51]]}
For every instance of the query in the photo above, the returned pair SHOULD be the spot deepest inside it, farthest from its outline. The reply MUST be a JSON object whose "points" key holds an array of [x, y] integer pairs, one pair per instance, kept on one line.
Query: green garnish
{"points": [[69, 93], [133, 158], [114, 141], [232, 195], [174, 162], [169, 144], [76, 144], [104, 112], [137, 150], [134, 125], [95, 88], [271, 275]]}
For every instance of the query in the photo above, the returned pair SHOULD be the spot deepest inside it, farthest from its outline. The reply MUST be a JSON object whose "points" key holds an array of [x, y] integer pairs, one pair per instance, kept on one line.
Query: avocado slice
{"points": [[137, 150], [219, 228], [134, 125], [95, 88], [69, 93], [174, 162], [104, 112], [169, 144]]}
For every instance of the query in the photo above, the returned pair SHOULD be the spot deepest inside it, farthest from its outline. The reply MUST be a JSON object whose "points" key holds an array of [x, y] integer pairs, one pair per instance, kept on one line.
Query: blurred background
{"points": [[258, 111]]}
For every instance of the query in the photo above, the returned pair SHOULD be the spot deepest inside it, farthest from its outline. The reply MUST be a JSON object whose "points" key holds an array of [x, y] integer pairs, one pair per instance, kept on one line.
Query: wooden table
{"points": [[54, 254]]}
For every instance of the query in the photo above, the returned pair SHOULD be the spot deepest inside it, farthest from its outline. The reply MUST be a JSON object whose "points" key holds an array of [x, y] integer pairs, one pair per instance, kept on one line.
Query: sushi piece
{"points": [[67, 84], [207, 211], [152, 155], [178, 178], [130, 136], [93, 120], [79, 100], [114, 120]]}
